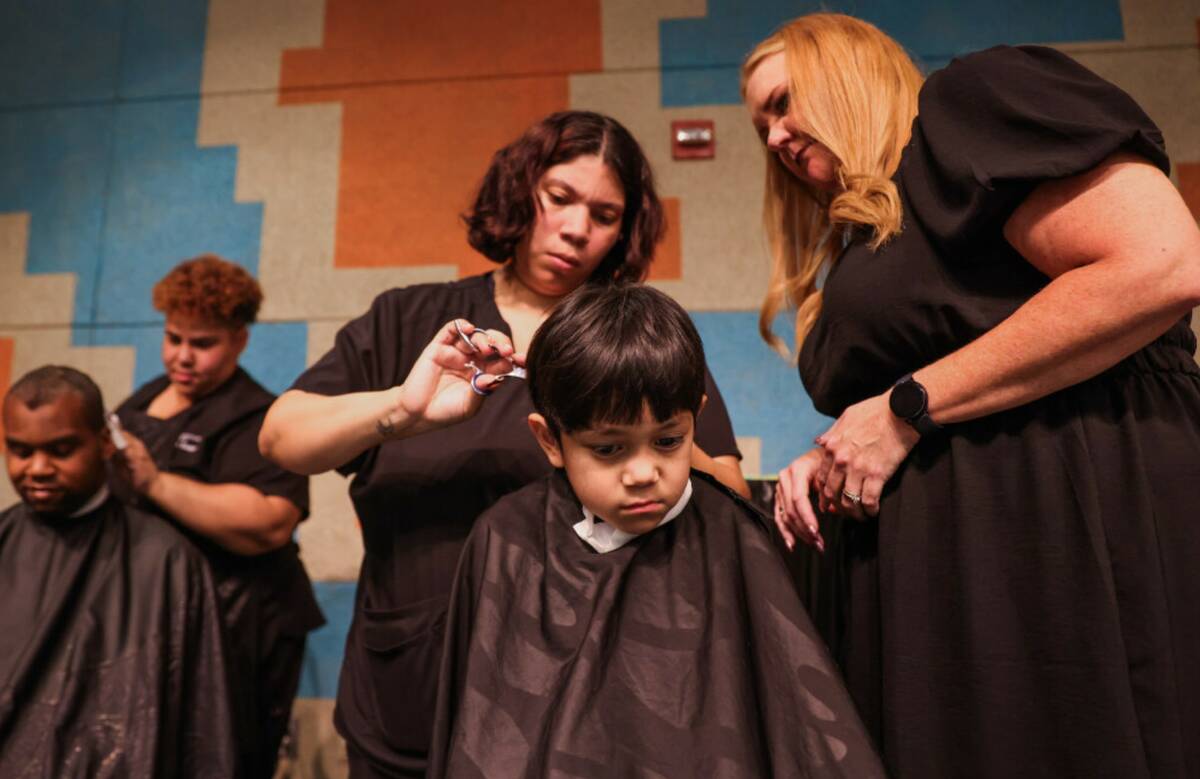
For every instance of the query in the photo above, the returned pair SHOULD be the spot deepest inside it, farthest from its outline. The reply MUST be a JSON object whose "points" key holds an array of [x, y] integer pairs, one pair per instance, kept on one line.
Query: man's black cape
{"points": [[684, 653], [111, 660]]}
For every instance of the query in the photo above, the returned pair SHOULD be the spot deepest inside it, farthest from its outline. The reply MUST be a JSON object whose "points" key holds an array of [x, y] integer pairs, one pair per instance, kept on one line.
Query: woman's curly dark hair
{"points": [[210, 289], [505, 208]]}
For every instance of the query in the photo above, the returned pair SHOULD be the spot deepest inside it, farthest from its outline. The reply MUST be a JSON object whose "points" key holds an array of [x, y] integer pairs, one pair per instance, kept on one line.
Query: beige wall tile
{"points": [[320, 751], [30, 299], [725, 265]]}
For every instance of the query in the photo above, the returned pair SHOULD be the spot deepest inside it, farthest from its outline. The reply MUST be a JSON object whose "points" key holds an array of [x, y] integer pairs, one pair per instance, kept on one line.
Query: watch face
{"points": [[907, 400]]}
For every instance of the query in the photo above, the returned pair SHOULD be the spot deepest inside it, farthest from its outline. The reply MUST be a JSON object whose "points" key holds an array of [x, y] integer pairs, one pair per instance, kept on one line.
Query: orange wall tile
{"points": [[413, 149], [368, 41], [668, 260]]}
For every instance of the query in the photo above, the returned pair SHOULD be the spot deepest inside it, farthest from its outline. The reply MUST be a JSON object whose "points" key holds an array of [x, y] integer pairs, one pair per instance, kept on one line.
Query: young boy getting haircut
{"points": [[628, 616]]}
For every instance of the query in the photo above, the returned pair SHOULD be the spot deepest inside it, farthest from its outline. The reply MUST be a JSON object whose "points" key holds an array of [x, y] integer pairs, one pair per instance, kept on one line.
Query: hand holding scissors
{"points": [[517, 371], [448, 383]]}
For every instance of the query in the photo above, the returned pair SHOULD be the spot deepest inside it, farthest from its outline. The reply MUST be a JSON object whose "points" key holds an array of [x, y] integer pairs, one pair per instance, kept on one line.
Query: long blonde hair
{"points": [[854, 90]]}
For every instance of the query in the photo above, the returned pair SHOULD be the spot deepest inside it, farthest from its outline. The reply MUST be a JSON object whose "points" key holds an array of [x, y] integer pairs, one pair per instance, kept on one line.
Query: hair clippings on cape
{"points": [[517, 372]]}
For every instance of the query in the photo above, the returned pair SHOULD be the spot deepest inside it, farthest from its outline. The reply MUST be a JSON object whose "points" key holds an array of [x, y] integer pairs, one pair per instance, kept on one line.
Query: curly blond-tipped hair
{"points": [[211, 289], [854, 90]]}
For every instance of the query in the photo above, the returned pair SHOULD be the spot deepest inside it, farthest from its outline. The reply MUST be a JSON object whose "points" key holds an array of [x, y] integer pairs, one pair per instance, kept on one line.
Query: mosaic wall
{"points": [[329, 145]]}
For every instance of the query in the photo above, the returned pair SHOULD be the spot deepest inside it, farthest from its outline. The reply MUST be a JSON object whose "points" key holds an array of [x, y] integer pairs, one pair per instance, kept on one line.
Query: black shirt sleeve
{"points": [[357, 362], [714, 431], [236, 459], [993, 125]]}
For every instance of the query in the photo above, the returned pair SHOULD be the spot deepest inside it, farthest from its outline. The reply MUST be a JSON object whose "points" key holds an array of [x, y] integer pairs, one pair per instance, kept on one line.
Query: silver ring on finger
{"points": [[854, 498]]}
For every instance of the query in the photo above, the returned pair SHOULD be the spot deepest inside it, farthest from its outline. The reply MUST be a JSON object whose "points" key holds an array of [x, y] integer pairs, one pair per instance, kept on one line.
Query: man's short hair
{"points": [[607, 352], [46, 384]]}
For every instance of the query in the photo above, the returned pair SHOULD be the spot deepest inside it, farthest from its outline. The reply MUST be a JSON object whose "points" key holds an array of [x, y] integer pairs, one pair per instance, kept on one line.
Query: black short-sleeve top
{"points": [[418, 497], [215, 441], [990, 127]]}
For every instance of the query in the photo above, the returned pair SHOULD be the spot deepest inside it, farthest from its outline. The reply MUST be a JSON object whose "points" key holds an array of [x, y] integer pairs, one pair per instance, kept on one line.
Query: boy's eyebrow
{"points": [[607, 430], [618, 429]]}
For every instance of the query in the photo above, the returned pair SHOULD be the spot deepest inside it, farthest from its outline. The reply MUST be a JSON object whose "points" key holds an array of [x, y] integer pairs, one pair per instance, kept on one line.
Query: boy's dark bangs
{"points": [[607, 353], [620, 384]]}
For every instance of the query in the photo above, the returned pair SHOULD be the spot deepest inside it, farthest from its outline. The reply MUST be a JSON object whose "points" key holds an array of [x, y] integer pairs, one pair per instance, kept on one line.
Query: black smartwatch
{"points": [[910, 402]]}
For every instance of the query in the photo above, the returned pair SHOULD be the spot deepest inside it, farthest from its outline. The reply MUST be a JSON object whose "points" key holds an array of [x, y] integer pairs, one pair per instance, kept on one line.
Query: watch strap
{"points": [[924, 424]]}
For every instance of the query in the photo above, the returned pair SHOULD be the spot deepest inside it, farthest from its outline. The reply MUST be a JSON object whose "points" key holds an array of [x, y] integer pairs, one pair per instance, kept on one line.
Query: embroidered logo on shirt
{"points": [[189, 442]]}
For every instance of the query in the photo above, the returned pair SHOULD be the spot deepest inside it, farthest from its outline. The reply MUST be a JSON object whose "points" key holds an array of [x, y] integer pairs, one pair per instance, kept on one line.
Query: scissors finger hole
{"points": [[466, 339], [479, 390]]}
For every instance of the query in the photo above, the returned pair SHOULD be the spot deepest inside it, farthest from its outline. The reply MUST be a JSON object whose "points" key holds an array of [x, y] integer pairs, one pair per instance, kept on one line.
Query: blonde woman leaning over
{"points": [[1002, 333]]}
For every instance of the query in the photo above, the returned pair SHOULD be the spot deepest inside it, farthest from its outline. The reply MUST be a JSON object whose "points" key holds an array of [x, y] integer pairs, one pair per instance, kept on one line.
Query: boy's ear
{"points": [[703, 403], [546, 439]]}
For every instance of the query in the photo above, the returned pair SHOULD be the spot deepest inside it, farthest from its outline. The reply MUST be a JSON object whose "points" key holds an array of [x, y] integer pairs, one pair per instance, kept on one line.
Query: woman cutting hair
{"points": [[430, 445], [192, 458]]}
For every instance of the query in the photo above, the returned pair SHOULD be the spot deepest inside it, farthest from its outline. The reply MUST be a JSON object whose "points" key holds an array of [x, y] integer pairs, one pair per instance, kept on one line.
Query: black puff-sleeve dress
{"points": [[1028, 603]]}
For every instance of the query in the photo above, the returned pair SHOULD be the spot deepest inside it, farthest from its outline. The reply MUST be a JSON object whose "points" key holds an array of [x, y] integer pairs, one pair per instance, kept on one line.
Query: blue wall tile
{"points": [[700, 56], [323, 655], [59, 51], [762, 392]]}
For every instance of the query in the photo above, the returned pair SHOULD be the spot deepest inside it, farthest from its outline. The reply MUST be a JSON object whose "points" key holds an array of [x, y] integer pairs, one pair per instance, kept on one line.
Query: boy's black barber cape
{"points": [[684, 653]]}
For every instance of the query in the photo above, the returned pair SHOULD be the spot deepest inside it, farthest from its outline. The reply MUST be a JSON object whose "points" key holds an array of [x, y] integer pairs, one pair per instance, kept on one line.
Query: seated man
{"points": [[626, 615], [111, 661]]}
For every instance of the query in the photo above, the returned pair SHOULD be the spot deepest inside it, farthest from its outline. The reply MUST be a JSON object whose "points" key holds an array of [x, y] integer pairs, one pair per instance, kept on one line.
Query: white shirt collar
{"points": [[93, 503], [604, 537]]}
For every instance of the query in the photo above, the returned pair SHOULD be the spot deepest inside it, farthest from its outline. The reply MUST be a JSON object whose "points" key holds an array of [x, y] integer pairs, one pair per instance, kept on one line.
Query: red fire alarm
{"points": [[693, 139]]}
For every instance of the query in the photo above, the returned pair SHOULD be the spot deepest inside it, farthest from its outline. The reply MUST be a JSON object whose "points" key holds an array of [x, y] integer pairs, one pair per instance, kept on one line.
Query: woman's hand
{"points": [[236, 516], [794, 515], [310, 433], [860, 453], [437, 391], [134, 464]]}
